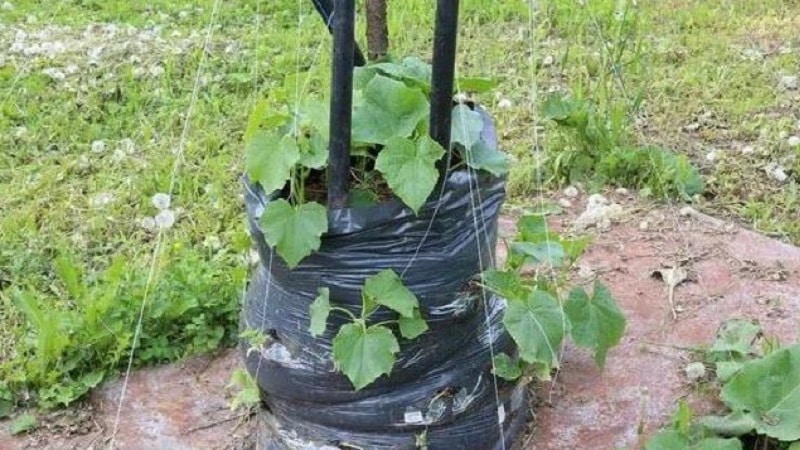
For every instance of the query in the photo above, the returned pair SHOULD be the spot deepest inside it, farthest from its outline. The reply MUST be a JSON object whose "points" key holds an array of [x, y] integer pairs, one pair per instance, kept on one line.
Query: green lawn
{"points": [[96, 117]]}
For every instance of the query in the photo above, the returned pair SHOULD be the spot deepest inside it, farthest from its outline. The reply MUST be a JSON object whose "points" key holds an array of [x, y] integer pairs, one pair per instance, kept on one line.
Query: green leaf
{"points": [[466, 126], [413, 71], [718, 444], [294, 230], [734, 424], [71, 275], [23, 423], [537, 325], [93, 379], [6, 406], [682, 419], [255, 119], [505, 283], [574, 248], [667, 440], [478, 85], [482, 157], [314, 151], [410, 168], [389, 109], [550, 253], [248, 392], [736, 336], [794, 446], [768, 390], [725, 370], [270, 159], [597, 322], [531, 226], [319, 310], [364, 354], [412, 327], [506, 368], [387, 289]]}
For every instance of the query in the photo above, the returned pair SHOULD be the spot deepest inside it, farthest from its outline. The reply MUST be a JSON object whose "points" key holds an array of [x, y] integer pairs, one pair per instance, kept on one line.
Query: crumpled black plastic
{"points": [[441, 385]]}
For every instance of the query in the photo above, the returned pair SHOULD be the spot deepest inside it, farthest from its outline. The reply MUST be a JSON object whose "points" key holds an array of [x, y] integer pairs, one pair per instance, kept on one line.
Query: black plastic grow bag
{"points": [[441, 385]]}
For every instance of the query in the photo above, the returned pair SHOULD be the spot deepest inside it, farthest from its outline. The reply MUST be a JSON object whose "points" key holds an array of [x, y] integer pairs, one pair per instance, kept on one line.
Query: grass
{"points": [[689, 76]]}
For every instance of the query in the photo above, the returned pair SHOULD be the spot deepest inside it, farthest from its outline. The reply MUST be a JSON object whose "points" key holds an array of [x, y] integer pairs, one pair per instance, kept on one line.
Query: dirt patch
{"points": [[732, 273]]}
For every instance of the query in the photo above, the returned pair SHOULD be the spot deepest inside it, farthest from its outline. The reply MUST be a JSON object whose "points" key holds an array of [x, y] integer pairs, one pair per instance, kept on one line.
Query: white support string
{"points": [[176, 166]]}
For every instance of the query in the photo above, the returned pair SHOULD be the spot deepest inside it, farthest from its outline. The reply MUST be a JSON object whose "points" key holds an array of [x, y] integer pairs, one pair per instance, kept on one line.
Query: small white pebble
{"points": [[98, 146], [748, 150], [571, 191], [776, 172], [695, 371], [161, 201], [165, 219], [621, 191], [565, 203], [794, 141], [711, 156], [686, 211], [504, 103], [790, 82], [643, 225]]}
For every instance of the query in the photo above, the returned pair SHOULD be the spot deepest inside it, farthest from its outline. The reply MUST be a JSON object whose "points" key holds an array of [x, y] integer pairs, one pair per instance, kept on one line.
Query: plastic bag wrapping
{"points": [[479, 431], [441, 384]]}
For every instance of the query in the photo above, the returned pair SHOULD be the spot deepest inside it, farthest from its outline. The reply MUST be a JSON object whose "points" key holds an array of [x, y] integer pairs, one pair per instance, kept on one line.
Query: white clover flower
{"points": [[102, 199], [54, 74], [165, 219], [148, 223], [504, 103], [212, 242], [127, 145], [254, 257], [156, 70], [161, 201], [695, 371], [98, 146]]}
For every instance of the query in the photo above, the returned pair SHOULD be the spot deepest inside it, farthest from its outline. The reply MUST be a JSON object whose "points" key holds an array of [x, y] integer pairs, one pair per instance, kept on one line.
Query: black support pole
{"points": [[341, 101], [325, 10], [444, 62]]}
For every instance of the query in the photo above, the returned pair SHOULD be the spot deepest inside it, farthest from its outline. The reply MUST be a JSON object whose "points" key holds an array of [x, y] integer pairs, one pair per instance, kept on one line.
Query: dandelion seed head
{"points": [[161, 201], [98, 146], [165, 219]]}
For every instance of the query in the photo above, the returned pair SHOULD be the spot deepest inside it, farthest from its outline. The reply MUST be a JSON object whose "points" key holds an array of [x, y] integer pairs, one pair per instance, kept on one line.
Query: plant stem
{"points": [[346, 311], [377, 30]]}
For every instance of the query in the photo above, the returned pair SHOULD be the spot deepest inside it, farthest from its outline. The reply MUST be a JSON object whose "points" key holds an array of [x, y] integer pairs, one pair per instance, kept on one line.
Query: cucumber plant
{"points": [[286, 150], [539, 315]]}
